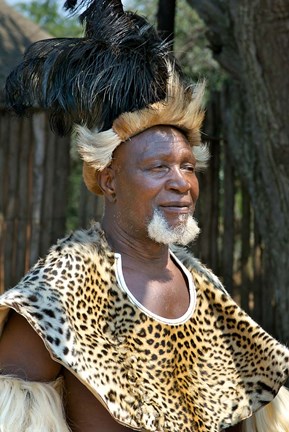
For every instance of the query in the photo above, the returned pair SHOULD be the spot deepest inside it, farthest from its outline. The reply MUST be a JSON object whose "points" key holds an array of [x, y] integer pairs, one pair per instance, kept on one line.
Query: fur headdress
{"points": [[115, 82]]}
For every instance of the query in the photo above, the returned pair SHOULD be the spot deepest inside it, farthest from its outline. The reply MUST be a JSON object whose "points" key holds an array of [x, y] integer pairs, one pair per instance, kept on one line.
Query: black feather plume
{"points": [[119, 66], [115, 6]]}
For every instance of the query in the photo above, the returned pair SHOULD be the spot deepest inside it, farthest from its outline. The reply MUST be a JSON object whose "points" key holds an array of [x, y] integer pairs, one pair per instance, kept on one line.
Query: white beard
{"points": [[160, 231]]}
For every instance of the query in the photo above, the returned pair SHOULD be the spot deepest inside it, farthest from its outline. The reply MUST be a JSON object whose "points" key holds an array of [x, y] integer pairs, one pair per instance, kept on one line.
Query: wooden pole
{"points": [[38, 122]]}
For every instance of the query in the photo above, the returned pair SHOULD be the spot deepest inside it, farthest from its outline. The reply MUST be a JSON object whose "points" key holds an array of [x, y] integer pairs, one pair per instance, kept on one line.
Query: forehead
{"points": [[154, 142]]}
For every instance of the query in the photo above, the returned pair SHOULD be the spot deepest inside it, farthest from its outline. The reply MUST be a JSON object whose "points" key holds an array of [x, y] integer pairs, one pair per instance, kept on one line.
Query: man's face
{"points": [[154, 171]]}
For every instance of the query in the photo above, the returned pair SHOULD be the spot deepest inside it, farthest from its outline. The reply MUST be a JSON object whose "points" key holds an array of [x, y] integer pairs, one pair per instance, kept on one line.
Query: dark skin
{"points": [[156, 169]]}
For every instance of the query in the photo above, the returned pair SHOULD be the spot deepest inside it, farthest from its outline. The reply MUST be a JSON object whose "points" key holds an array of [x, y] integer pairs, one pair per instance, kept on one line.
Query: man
{"points": [[137, 332], [153, 173]]}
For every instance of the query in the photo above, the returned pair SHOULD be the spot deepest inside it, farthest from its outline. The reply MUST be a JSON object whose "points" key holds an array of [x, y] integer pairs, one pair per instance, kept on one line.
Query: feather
{"points": [[119, 66], [115, 5]]}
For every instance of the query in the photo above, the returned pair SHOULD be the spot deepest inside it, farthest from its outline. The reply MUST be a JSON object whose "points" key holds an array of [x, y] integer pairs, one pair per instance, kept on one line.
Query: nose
{"points": [[178, 181]]}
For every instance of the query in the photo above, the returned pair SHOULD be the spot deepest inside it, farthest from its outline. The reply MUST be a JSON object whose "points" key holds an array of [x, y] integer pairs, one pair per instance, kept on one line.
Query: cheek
{"points": [[195, 188], [132, 196]]}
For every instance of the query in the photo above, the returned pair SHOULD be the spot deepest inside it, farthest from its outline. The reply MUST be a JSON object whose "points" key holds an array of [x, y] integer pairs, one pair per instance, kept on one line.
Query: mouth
{"points": [[177, 207]]}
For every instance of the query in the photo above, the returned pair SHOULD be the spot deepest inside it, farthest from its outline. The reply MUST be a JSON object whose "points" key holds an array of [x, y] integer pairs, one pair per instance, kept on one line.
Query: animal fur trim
{"points": [[210, 372], [274, 417], [31, 406], [181, 109]]}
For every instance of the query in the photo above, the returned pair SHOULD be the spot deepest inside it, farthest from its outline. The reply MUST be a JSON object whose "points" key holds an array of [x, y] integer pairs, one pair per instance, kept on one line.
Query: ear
{"points": [[106, 182]]}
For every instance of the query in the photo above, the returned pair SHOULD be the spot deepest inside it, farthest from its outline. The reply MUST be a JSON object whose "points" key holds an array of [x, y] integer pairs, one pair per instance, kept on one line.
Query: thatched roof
{"points": [[16, 34]]}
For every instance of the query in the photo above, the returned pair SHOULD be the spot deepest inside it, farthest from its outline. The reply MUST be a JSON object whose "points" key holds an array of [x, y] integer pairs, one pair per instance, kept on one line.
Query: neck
{"points": [[133, 248]]}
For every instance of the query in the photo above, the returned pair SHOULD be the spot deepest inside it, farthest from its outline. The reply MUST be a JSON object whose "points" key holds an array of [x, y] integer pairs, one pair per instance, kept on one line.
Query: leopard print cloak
{"points": [[205, 374]]}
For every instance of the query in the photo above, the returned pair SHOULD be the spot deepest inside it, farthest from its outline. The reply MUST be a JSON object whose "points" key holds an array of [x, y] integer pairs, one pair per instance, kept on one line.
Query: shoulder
{"points": [[196, 267], [79, 252], [23, 352], [61, 276], [57, 291], [83, 241]]}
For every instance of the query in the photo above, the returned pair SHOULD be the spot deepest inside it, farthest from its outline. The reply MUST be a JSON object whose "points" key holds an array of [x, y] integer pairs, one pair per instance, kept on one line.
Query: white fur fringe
{"points": [[31, 406], [274, 417]]}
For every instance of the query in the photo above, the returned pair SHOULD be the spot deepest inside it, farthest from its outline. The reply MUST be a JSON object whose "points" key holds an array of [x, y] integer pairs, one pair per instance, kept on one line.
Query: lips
{"points": [[177, 207]]}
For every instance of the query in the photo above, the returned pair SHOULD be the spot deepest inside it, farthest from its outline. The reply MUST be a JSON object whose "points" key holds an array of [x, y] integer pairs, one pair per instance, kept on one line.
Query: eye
{"points": [[191, 168], [159, 167]]}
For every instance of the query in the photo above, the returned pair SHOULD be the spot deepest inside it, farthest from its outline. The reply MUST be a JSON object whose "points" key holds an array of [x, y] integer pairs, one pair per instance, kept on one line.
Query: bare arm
{"points": [[30, 394], [85, 413], [23, 354]]}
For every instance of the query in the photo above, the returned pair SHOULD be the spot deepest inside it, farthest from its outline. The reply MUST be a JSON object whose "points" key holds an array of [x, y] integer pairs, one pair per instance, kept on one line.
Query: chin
{"points": [[184, 231]]}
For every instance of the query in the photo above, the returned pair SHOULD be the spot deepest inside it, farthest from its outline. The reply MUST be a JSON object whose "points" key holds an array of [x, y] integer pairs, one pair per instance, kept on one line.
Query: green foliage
{"points": [[191, 47], [48, 15]]}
